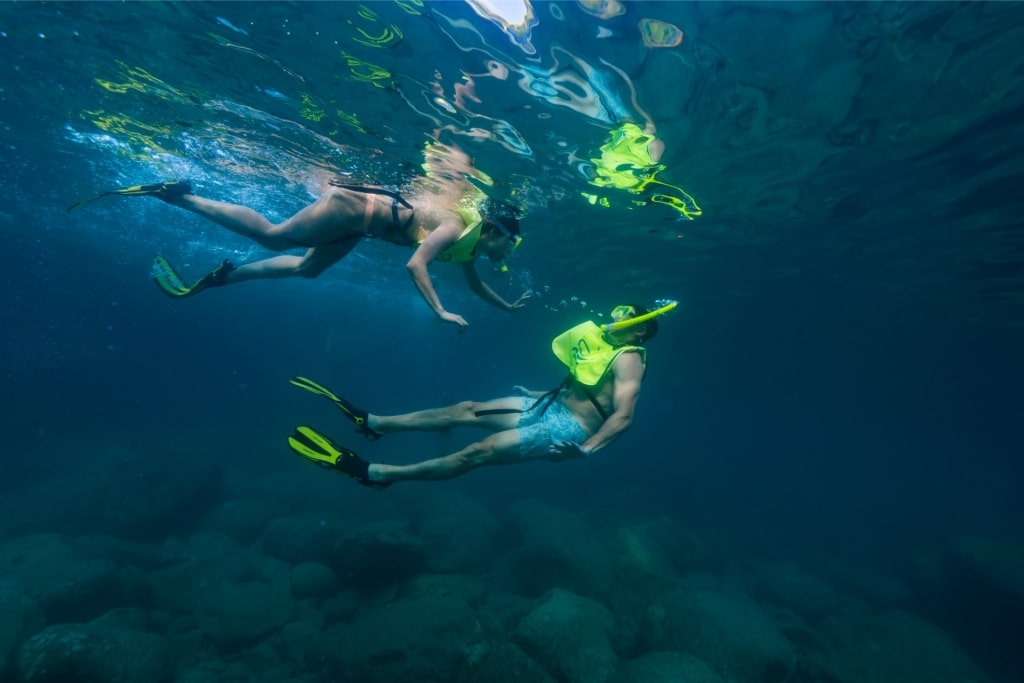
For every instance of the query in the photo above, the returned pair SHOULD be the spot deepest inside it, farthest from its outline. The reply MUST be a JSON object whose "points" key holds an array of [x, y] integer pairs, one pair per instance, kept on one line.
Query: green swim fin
{"points": [[171, 284], [317, 448], [171, 188]]}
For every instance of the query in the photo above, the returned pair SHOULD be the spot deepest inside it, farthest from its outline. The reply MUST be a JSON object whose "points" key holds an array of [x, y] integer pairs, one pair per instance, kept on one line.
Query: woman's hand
{"points": [[520, 302], [454, 318]]}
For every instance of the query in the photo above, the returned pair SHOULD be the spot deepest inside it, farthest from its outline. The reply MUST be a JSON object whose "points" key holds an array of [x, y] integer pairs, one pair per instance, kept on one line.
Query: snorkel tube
{"points": [[665, 307]]}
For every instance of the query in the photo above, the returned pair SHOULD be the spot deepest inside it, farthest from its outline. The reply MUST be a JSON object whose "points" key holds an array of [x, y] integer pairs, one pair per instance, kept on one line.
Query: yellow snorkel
{"points": [[621, 321]]}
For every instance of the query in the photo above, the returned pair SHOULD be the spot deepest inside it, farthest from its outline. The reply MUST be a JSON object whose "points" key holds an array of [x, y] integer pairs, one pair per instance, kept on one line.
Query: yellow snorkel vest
{"points": [[464, 248], [587, 354], [626, 159]]}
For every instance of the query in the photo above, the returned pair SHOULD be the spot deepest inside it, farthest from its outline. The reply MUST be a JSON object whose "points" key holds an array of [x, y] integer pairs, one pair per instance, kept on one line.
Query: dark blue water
{"points": [[838, 393]]}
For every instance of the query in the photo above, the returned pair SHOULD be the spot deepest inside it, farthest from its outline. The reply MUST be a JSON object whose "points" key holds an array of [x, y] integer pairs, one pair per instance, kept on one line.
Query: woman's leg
{"points": [[311, 264], [497, 449], [465, 414], [325, 221]]}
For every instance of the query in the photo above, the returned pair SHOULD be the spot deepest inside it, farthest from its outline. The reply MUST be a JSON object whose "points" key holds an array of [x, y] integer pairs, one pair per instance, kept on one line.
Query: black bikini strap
{"points": [[369, 189]]}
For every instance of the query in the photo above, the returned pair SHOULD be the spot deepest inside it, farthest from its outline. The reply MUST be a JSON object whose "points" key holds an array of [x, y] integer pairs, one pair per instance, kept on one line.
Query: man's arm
{"points": [[482, 290], [628, 370], [437, 241]]}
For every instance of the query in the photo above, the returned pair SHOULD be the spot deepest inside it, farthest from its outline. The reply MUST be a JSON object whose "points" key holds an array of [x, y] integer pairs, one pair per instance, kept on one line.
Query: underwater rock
{"points": [[375, 555], [245, 612], [65, 583], [243, 519], [509, 608], [558, 549], [569, 636], [21, 617], [302, 644], [312, 580], [459, 531], [86, 653], [235, 595], [424, 639], [726, 630], [464, 586], [666, 667], [506, 663], [302, 538], [788, 585], [997, 564], [733, 635], [137, 497], [899, 646], [867, 584]]}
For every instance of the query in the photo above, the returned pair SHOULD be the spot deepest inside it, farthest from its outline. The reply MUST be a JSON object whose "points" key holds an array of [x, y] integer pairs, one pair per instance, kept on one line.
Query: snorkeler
{"points": [[446, 218], [589, 410]]}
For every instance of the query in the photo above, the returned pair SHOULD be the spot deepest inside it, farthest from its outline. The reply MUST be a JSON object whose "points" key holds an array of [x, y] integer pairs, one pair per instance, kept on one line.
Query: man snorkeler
{"points": [[592, 407]]}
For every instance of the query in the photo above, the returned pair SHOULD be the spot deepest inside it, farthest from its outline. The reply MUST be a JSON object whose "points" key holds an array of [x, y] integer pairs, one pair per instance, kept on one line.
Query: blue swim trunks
{"points": [[537, 432]]}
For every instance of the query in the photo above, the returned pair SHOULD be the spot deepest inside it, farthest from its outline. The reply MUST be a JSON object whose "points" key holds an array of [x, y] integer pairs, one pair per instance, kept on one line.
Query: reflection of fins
{"points": [[357, 416], [317, 448], [171, 284], [171, 188]]}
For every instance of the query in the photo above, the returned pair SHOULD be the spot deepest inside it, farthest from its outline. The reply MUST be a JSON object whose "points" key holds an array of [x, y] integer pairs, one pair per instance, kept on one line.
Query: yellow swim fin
{"points": [[171, 284], [165, 190], [319, 449], [358, 416]]}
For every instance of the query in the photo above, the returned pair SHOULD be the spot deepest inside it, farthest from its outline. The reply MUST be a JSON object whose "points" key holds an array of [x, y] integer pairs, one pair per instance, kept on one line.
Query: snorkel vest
{"points": [[587, 354], [464, 249], [625, 159]]}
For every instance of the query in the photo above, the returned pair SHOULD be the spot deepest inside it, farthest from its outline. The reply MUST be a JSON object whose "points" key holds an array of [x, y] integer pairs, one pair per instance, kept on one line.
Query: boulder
{"points": [[87, 653], [507, 663], [67, 584], [557, 548], [721, 626], [899, 646], [20, 617], [666, 667], [788, 585], [569, 636], [312, 580], [243, 519], [431, 638], [235, 595]]}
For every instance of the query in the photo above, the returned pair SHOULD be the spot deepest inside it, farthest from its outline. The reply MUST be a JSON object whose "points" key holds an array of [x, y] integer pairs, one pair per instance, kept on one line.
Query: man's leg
{"points": [[500, 414], [497, 449]]}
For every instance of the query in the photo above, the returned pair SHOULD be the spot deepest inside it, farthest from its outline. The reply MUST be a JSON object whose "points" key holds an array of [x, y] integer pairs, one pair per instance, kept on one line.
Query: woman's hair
{"points": [[503, 214]]}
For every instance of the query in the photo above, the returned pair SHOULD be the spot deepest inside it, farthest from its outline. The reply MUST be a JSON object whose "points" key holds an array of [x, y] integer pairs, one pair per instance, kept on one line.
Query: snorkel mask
{"points": [[514, 239], [622, 315]]}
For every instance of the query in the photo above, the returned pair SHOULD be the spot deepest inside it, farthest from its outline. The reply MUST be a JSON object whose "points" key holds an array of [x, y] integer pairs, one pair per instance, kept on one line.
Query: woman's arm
{"points": [[437, 241], [483, 290]]}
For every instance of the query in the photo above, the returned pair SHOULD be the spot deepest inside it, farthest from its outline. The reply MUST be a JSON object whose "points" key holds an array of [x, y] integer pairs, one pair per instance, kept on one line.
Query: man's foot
{"points": [[317, 448], [165, 191], [358, 416]]}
